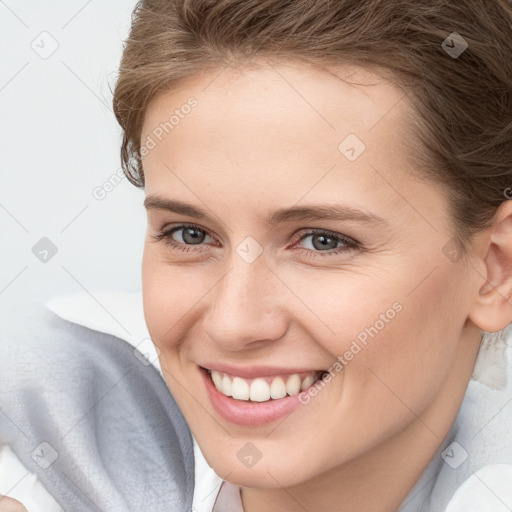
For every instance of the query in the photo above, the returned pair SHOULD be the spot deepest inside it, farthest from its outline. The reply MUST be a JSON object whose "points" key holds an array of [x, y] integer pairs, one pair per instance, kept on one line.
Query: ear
{"points": [[492, 309]]}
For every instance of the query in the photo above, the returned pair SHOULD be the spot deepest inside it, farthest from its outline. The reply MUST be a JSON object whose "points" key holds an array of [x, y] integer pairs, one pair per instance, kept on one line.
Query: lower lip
{"points": [[246, 413]]}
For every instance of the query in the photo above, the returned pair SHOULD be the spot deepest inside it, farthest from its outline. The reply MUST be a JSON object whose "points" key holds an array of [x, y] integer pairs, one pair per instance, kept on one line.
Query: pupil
{"points": [[195, 238], [323, 241]]}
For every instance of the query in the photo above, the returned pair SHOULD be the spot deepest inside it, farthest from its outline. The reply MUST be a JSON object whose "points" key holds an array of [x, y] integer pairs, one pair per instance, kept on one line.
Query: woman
{"points": [[329, 234]]}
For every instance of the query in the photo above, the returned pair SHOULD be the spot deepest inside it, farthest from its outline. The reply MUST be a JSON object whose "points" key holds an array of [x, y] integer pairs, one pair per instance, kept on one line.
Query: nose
{"points": [[246, 308]]}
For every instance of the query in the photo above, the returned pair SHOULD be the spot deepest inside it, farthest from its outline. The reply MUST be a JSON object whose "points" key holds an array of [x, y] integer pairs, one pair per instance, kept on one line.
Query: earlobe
{"points": [[492, 309]]}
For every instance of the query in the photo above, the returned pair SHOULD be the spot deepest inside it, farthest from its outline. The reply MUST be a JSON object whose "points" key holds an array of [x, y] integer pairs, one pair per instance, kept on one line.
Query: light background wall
{"points": [[59, 145]]}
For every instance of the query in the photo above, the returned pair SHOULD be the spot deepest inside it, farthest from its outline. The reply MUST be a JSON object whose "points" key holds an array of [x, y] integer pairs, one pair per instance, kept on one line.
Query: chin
{"points": [[272, 473]]}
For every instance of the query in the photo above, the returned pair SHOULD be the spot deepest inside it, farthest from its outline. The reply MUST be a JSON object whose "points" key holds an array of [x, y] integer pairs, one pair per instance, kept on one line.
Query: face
{"points": [[308, 246]]}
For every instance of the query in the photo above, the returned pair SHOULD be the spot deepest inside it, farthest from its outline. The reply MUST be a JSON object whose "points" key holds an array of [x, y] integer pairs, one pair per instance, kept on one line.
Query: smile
{"points": [[257, 395], [263, 389]]}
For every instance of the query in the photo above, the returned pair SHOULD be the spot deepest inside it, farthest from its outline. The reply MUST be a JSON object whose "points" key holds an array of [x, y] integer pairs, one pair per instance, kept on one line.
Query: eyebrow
{"points": [[294, 213]]}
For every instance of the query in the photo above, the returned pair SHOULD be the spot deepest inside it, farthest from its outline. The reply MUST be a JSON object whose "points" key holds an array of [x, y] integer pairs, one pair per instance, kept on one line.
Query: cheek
{"points": [[416, 351], [174, 300], [165, 297], [403, 331]]}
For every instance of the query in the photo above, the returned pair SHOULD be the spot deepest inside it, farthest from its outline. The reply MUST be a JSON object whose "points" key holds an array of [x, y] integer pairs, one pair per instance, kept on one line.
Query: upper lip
{"points": [[253, 371]]}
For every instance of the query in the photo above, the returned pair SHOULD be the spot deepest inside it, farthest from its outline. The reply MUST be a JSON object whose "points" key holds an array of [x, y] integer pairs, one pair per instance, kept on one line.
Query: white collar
{"points": [[121, 314]]}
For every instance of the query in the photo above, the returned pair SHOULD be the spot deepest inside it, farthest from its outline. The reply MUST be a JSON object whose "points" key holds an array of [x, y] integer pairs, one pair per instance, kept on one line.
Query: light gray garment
{"points": [[97, 426]]}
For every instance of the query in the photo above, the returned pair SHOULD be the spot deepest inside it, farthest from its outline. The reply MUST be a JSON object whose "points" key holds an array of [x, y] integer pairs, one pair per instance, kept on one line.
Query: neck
{"points": [[382, 478]]}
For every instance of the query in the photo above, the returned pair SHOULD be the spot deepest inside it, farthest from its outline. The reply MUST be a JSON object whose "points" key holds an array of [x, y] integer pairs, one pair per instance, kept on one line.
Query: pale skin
{"points": [[265, 138], [11, 505]]}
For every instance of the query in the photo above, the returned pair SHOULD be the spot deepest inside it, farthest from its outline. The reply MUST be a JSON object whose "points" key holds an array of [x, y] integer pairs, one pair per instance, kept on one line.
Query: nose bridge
{"points": [[242, 307]]}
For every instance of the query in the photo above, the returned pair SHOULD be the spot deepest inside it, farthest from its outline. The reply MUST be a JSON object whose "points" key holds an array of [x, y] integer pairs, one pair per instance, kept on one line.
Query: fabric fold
{"points": [[98, 427]]}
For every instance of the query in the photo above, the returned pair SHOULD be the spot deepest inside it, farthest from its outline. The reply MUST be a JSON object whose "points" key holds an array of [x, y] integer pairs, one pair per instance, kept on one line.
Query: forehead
{"points": [[270, 95], [276, 134], [271, 112]]}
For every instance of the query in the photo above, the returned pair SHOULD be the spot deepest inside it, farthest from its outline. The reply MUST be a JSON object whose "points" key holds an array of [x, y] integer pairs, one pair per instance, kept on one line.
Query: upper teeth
{"points": [[262, 389]]}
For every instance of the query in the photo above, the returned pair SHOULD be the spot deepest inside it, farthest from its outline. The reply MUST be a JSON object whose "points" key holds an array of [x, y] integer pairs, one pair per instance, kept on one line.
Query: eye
{"points": [[322, 242], [325, 243], [189, 234]]}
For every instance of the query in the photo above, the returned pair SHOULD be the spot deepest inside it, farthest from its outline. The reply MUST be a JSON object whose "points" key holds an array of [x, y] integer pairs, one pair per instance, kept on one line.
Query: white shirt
{"points": [[489, 489]]}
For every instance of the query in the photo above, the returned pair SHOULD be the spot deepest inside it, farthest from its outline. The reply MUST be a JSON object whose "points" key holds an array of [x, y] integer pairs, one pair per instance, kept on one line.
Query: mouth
{"points": [[257, 400], [263, 389]]}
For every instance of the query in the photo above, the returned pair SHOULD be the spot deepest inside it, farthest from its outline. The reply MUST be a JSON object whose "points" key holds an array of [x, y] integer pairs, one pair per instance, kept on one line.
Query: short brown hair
{"points": [[464, 100]]}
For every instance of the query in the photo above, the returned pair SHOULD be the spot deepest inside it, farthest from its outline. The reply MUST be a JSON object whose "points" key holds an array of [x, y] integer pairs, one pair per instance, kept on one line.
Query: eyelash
{"points": [[350, 244]]}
